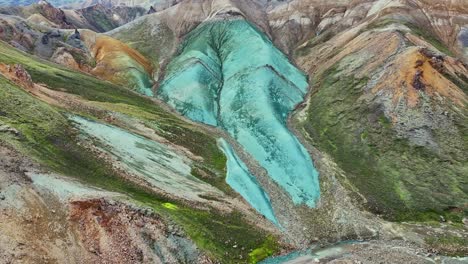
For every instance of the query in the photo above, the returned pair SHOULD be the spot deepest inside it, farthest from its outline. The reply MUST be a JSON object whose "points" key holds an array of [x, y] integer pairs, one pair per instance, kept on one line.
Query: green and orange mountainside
{"points": [[234, 131]]}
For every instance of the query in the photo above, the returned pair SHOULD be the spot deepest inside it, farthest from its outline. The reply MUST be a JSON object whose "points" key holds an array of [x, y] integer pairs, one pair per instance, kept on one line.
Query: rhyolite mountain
{"points": [[98, 18], [234, 131], [29, 2], [75, 4]]}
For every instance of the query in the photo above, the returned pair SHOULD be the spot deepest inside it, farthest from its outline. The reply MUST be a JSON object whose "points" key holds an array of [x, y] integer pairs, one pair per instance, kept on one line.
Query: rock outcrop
{"points": [[151, 11]]}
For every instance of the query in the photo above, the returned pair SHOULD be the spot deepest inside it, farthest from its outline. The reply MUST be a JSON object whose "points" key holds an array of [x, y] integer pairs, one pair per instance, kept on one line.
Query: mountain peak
{"points": [[151, 10], [43, 2]]}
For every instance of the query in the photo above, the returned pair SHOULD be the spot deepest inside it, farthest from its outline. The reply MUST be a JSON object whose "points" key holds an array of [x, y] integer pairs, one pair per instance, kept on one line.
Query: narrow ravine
{"points": [[229, 74]]}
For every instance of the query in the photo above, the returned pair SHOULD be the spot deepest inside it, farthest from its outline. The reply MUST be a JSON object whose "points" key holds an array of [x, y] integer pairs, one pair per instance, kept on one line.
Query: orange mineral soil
{"points": [[113, 58]]}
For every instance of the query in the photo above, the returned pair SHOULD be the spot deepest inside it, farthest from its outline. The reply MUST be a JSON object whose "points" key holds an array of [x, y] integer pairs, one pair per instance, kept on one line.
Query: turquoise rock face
{"points": [[229, 74], [141, 81], [240, 179]]}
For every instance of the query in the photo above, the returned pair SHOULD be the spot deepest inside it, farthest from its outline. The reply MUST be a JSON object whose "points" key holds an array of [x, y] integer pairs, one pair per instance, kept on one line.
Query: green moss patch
{"points": [[449, 245]]}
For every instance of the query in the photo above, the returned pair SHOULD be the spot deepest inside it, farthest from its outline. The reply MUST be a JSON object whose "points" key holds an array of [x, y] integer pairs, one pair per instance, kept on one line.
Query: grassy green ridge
{"points": [[47, 135], [396, 177]]}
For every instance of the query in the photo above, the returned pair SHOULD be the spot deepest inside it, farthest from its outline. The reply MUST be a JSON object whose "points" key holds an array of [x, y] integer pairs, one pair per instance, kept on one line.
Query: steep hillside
{"points": [[234, 131], [50, 137], [61, 46], [157, 4], [82, 50], [78, 4], [120, 64], [300, 20], [98, 17], [157, 35], [48, 12], [30, 2], [399, 109], [101, 19]]}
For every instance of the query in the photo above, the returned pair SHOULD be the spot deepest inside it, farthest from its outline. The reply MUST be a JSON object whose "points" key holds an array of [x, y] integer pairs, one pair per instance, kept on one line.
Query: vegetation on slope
{"points": [[395, 176], [46, 134]]}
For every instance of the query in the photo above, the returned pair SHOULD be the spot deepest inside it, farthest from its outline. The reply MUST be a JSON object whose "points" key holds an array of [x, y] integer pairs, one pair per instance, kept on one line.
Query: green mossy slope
{"points": [[46, 134], [399, 180]]}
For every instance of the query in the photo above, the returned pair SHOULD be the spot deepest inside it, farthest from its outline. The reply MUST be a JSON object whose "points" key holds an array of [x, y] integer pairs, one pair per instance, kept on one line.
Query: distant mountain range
{"points": [[86, 3], [28, 2]]}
